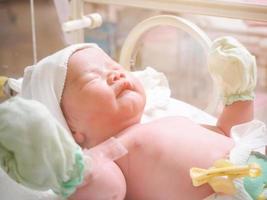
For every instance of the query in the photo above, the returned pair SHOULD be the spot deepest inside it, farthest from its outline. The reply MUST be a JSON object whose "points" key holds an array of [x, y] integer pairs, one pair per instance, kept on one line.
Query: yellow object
{"points": [[3, 80], [261, 197], [220, 177]]}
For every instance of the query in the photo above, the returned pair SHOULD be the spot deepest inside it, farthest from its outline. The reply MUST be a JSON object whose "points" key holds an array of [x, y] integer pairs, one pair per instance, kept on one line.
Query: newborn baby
{"points": [[101, 100]]}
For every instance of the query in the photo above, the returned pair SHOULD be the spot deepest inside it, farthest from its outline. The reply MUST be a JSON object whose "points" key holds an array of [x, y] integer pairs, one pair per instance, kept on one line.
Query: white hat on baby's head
{"points": [[45, 80]]}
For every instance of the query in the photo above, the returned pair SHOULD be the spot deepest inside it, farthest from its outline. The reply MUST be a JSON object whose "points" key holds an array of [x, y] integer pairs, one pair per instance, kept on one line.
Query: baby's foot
{"points": [[233, 69]]}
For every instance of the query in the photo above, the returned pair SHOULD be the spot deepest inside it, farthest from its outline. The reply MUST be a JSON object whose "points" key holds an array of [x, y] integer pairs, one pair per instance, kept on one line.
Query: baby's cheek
{"points": [[108, 183]]}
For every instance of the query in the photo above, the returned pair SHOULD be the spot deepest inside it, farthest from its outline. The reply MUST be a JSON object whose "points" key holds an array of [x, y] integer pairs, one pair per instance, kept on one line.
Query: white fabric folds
{"points": [[248, 137], [44, 81], [234, 70], [35, 149]]}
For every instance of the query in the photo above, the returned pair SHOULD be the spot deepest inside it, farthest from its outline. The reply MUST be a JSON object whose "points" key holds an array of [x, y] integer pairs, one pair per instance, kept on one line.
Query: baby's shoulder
{"points": [[163, 125], [171, 121]]}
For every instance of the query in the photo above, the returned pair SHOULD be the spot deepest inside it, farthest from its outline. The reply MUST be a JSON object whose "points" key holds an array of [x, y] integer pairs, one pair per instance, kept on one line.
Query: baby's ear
{"points": [[79, 137]]}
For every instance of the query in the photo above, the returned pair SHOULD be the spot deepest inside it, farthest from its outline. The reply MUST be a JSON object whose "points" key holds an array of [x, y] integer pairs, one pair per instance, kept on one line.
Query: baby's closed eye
{"points": [[92, 76], [87, 79]]}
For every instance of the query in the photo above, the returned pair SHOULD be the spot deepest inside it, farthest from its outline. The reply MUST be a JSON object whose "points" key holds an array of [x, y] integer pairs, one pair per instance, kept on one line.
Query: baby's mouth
{"points": [[121, 86]]}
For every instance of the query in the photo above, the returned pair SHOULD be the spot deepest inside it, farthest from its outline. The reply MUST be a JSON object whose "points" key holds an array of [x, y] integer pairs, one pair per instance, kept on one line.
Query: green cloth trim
{"points": [[228, 100], [76, 176]]}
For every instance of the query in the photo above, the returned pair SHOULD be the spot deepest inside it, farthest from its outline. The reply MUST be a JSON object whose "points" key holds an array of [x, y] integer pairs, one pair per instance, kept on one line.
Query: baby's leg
{"points": [[108, 183]]}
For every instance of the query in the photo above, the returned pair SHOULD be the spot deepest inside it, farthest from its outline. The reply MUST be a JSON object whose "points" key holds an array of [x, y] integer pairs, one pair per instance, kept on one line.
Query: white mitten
{"points": [[233, 70], [35, 150]]}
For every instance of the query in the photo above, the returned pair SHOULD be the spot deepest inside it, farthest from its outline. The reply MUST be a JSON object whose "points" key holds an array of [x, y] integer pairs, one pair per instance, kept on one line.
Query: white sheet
{"points": [[180, 108], [160, 104]]}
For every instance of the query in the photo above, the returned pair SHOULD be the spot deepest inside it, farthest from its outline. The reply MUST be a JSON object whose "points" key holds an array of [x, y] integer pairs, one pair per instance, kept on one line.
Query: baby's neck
{"points": [[98, 135]]}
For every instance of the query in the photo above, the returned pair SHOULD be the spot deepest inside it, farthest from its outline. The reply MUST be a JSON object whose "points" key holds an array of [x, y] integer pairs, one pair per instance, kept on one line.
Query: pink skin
{"points": [[101, 100], [94, 79], [105, 183]]}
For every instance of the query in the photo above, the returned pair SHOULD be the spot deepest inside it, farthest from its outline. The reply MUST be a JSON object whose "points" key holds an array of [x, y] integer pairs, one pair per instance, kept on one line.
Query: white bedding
{"points": [[180, 108], [160, 104]]}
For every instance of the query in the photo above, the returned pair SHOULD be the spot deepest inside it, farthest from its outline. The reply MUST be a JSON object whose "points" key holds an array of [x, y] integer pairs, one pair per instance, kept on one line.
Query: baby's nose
{"points": [[114, 76]]}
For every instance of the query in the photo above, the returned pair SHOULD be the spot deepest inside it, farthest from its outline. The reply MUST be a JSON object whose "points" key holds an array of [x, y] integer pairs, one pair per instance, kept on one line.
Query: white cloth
{"points": [[35, 150], [44, 81], [251, 136], [157, 92], [9, 189], [159, 102], [233, 69], [248, 137]]}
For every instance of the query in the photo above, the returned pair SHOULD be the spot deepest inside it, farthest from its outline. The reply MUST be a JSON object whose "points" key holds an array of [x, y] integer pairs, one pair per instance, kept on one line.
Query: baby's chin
{"points": [[131, 103]]}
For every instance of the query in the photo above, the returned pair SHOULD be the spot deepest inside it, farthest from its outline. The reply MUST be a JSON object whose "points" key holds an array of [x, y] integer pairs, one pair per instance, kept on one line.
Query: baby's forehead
{"points": [[93, 56], [89, 60]]}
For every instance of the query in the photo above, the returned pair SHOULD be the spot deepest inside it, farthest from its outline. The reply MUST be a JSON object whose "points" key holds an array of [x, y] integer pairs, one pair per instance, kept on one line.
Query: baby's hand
{"points": [[233, 69], [103, 178], [98, 156]]}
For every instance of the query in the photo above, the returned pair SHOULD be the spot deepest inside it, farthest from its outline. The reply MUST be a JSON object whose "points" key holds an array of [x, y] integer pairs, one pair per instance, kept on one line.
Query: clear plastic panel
{"points": [[177, 54], [161, 49]]}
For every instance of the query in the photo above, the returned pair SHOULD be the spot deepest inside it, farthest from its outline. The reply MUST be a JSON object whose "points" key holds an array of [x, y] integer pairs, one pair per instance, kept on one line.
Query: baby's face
{"points": [[100, 98]]}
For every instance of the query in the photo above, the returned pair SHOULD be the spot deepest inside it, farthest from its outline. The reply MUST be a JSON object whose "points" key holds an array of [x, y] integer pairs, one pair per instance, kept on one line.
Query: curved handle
{"points": [[90, 21], [129, 49], [130, 45]]}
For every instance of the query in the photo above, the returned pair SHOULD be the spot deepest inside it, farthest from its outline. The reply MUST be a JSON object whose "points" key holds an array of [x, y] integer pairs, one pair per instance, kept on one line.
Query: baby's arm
{"points": [[234, 72], [103, 178], [234, 114]]}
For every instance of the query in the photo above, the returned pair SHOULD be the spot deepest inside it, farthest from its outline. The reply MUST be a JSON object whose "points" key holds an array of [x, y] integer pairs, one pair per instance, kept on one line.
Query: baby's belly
{"points": [[158, 167]]}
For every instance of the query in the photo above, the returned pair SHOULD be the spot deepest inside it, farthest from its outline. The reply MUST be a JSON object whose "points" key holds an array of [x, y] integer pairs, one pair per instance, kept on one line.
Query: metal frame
{"points": [[220, 8]]}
